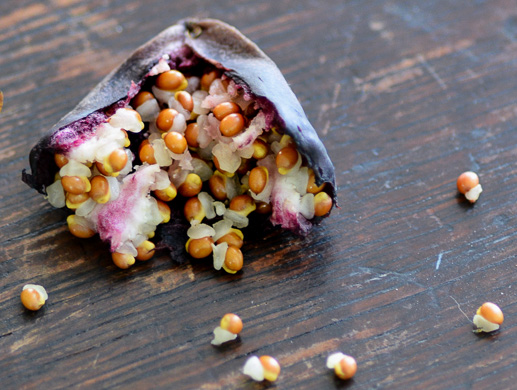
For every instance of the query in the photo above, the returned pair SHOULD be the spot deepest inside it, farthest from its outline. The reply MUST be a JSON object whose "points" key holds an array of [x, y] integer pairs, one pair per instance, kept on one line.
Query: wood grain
{"points": [[405, 95]]}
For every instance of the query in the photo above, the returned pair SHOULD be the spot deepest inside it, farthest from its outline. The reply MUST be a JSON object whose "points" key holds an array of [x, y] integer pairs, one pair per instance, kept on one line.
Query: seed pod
{"points": [[231, 61]]}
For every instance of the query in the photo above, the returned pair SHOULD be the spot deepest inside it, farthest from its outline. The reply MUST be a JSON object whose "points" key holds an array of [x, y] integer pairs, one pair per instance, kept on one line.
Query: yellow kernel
{"points": [[165, 119], [33, 297], [123, 260], [232, 323], [491, 312], [60, 160], [117, 160], [312, 187], [141, 98], [191, 186], [73, 201], [165, 211], [258, 179], [191, 135], [271, 368], [167, 194], [260, 149], [322, 204], [243, 204], [286, 159], [76, 184], [233, 238], [231, 125], [200, 247], [193, 209], [100, 191], [171, 80], [346, 367], [208, 78], [217, 185], [146, 152], [78, 227], [176, 142], [233, 260], [145, 250], [222, 110], [185, 99]]}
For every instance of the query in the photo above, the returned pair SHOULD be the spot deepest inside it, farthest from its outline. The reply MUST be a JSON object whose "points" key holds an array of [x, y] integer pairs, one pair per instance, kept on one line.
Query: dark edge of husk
{"points": [[224, 47]]}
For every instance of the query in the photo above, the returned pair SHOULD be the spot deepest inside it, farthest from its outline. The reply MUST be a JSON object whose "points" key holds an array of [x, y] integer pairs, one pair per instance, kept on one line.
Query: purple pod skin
{"points": [[188, 43]]}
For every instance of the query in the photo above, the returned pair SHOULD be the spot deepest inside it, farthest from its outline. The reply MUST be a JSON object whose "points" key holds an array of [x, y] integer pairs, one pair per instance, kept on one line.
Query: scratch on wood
{"points": [[439, 261], [386, 83], [431, 70], [326, 107]]}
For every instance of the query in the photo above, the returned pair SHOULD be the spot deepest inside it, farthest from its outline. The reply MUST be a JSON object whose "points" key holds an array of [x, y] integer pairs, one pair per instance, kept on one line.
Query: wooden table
{"points": [[405, 96]]}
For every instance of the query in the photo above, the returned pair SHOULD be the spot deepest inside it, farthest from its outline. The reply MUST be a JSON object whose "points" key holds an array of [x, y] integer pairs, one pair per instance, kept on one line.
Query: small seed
{"points": [[165, 211], [208, 78], [74, 201], [233, 260], [193, 209], [191, 134], [176, 142], [141, 98], [76, 184], [191, 186], [271, 368], [233, 238], [200, 247], [100, 191], [185, 99], [167, 194], [244, 167], [60, 160], [231, 125], [145, 250], [79, 227], [468, 185], [312, 187], [146, 152], [258, 179], [322, 204], [33, 297], [217, 185], [260, 149], [286, 159], [165, 119], [123, 260], [171, 80], [264, 208], [232, 323], [346, 367], [222, 110], [117, 160], [488, 318], [102, 169], [243, 204]]}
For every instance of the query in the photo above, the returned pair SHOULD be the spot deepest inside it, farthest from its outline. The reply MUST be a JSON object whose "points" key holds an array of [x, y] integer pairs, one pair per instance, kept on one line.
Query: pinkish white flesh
{"points": [[473, 194], [254, 369], [483, 325]]}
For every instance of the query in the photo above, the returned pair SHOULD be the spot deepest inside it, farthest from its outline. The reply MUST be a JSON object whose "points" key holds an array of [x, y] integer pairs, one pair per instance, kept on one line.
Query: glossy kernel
{"points": [[192, 134], [264, 208], [175, 142], [233, 260], [171, 80], [199, 248], [141, 98], [217, 185], [31, 298], [346, 367], [232, 323], [260, 149], [185, 99], [73, 201], [77, 228], [76, 184], [60, 160], [467, 181], [191, 186], [322, 204], [258, 179], [222, 110], [271, 368], [491, 312], [286, 159], [312, 187], [208, 78], [165, 119], [167, 194], [100, 191], [243, 204], [233, 238], [122, 260], [164, 210], [146, 152], [145, 250], [117, 160], [193, 209], [231, 125]]}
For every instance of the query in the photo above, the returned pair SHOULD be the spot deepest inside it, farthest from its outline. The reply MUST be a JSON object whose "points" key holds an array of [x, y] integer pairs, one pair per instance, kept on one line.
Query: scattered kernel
{"points": [[468, 185], [229, 328], [265, 367], [344, 366], [488, 318], [33, 296]]}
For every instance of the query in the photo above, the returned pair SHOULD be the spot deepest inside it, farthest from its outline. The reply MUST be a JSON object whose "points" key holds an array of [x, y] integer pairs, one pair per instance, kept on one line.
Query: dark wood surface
{"points": [[405, 95]]}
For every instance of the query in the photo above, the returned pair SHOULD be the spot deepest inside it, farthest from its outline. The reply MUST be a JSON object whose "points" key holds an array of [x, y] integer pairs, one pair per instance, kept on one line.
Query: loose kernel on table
{"points": [[488, 318], [233, 260], [265, 367], [344, 366], [468, 185], [33, 296], [228, 329]]}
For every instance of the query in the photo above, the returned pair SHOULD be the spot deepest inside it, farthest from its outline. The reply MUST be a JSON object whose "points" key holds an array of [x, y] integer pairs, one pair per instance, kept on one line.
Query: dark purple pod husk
{"points": [[188, 43]]}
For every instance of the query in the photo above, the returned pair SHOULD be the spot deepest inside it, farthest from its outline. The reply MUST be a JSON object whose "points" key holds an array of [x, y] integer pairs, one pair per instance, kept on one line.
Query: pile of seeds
{"points": [[197, 140]]}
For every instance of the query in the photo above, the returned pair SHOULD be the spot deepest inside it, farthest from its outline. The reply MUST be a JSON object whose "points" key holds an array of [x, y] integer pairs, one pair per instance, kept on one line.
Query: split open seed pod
{"points": [[219, 94]]}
